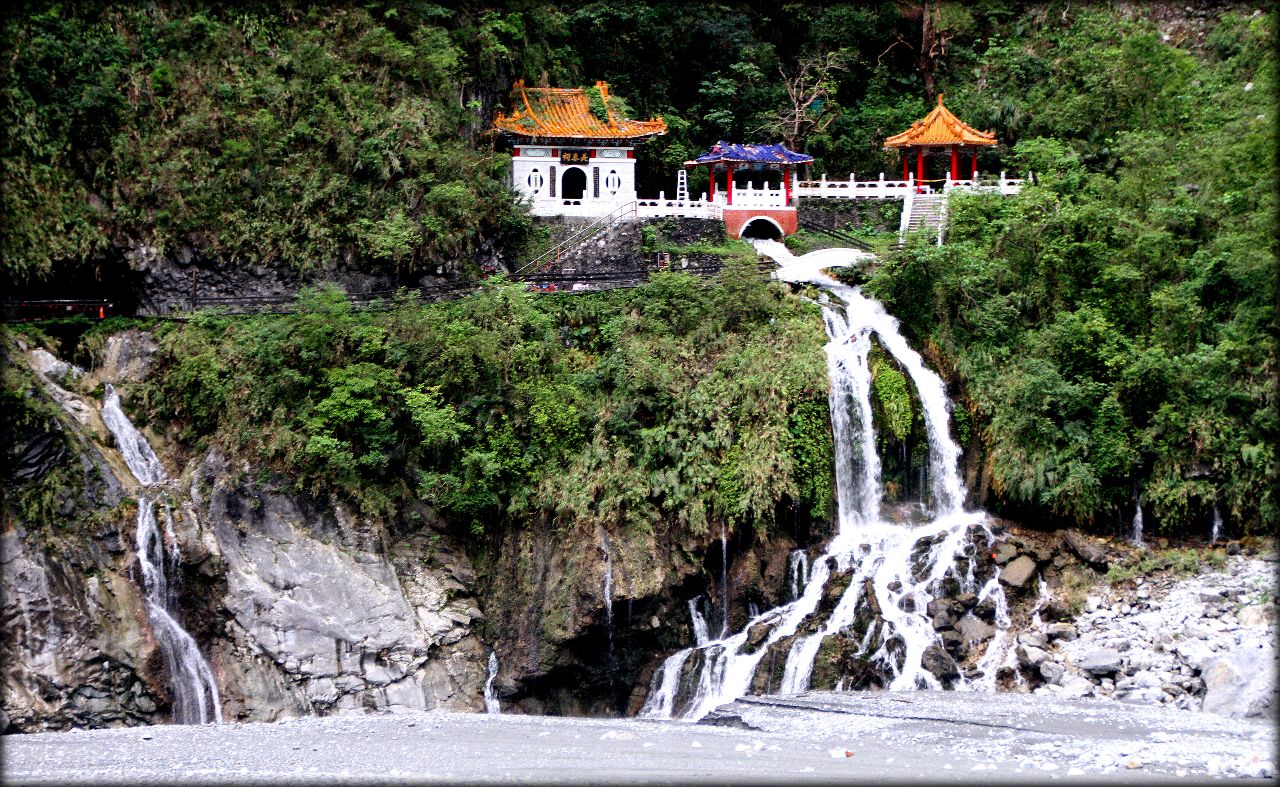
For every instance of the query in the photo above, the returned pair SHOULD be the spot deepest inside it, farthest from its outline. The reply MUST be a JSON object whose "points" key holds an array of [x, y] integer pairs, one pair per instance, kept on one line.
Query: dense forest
{"points": [[1111, 331]]}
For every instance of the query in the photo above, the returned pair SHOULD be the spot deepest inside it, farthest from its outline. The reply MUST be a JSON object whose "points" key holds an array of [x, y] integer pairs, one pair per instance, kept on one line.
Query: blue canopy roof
{"points": [[754, 154]]}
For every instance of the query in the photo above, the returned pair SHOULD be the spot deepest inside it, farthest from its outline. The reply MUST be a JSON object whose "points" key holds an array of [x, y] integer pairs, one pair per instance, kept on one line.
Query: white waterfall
{"points": [[1000, 650], [1043, 597], [797, 571], [902, 567], [195, 692], [608, 582], [491, 704], [660, 704], [700, 634], [724, 579], [137, 453], [1217, 524], [1137, 521]]}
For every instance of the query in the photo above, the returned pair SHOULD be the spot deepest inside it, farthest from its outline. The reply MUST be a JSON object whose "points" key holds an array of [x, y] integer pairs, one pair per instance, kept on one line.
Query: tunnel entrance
{"points": [[762, 228]]}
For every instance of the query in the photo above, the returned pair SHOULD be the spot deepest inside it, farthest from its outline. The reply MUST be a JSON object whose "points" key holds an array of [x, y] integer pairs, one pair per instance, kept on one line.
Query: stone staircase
{"points": [[928, 211]]}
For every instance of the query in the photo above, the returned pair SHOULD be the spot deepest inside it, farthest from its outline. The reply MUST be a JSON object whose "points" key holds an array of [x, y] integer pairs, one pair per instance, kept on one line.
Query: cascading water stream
{"points": [[137, 453], [700, 634], [491, 704], [1217, 525], [724, 580], [1136, 535], [1000, 648], [902, 567], [195, 693], [797, 571], [608, 583]]}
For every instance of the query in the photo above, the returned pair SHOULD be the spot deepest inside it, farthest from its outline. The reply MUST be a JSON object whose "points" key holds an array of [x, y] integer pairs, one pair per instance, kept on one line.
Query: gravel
{"points": [[814, 737]]}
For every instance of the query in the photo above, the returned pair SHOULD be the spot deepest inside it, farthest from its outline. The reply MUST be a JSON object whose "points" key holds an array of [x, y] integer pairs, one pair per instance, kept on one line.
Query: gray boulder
{"points": [[1004, 552], [1102, 661], [1033, 638], [1052, 672], [974, 630], [1016, 573], [1063, 631], [1086, 549], [1031, 656], [1242, 683], [939, 663]]}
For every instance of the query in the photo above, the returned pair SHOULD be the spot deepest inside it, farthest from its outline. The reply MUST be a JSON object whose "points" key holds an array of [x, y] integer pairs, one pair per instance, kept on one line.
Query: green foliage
{"points": [[596, 105], [679, 403], [1184, 562], [1113, 325], [291, 139], [893, 396]]}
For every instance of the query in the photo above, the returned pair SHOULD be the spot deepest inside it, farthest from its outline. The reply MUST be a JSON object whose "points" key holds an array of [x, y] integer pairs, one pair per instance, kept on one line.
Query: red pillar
{"points": [[920, 168], [711, 170], [728, 188], [973, 158], [955, 166], [786, 179], [906, 165]]}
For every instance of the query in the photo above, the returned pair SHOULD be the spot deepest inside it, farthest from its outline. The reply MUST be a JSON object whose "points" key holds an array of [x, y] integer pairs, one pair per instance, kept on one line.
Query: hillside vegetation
{"points": [[657, 409], [1111, 332]]}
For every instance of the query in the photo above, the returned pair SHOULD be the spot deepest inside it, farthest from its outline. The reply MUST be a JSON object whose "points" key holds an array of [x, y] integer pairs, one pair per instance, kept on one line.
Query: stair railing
{"points": [[908, 201], [942, 216], [583, 235]]}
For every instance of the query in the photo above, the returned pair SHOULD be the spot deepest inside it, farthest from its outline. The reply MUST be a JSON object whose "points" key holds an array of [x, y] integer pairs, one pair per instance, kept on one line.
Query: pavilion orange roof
{"points": [[566, 112], [940, 127]]}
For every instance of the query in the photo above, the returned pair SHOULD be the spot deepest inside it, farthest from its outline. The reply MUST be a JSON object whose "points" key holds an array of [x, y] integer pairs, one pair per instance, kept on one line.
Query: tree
{"points": [[811, 89]]}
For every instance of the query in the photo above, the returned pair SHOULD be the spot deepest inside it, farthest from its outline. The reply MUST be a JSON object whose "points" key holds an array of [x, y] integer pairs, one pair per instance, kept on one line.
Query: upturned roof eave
{"points": [[940, 128]]}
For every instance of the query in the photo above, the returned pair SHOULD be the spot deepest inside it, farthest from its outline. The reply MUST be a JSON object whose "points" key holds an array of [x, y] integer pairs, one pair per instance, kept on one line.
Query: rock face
{"points": [[74, 639], [335, 616], [299, 606], [126, 357], [620, 252], [76, 645], [169, 283]]}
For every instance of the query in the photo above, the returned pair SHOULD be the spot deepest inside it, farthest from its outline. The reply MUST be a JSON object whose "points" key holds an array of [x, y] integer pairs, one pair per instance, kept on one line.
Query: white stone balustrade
{"points": [[693, 208], [854, 188], [1004, 185], [750, 197], [769, 197]]}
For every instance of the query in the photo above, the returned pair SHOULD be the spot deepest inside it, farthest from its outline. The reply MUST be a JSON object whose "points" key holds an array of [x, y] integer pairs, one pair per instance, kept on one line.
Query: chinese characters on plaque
{"points": [[575, 156]]}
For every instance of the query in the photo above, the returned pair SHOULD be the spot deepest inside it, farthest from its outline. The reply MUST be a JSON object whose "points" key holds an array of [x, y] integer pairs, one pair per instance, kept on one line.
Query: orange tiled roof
{"points": [[566, 112], [940, 127]]}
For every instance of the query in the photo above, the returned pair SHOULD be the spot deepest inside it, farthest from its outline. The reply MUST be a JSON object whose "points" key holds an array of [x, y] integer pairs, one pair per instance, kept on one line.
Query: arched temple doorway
{"points": [[573, 184]]}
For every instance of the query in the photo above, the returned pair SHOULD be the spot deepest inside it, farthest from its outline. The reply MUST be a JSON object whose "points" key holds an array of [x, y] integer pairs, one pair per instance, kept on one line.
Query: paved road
{"points": [[816, 737]]}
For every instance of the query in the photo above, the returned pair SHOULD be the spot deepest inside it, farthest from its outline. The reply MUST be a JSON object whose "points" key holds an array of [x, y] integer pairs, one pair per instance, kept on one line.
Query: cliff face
{"points": [[303, 607], [578, 619], [299, 606]]}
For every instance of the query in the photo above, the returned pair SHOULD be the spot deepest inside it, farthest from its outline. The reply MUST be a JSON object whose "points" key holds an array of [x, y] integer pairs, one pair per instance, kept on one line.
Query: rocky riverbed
{"points": [[818, 737], [1202, 642]]}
